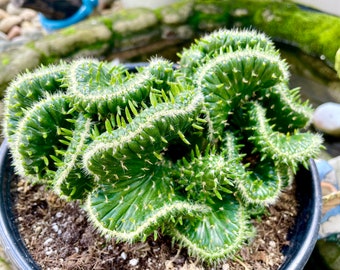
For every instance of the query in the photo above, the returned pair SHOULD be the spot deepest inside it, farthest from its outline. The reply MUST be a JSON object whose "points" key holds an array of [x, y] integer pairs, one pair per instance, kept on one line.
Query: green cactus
{"points": [[188, 150]]}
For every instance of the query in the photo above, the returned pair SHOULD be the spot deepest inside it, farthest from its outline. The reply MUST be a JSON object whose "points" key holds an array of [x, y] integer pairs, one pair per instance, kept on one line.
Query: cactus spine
{"points": [[189, 151]]}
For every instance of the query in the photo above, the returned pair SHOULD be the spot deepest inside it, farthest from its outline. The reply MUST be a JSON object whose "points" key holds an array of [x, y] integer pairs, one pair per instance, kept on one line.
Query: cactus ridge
{"points": [[39, 135], [149, 132], [101, 89], [27, 89], [218, 233], [260, 184], [289, 149], [70, 179], [233, 78], [221, 42], [283, 106], [130, 210]]}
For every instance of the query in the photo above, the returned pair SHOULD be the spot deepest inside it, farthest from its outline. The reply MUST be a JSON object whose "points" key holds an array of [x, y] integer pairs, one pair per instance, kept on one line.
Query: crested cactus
{"points": [[189, 150]]}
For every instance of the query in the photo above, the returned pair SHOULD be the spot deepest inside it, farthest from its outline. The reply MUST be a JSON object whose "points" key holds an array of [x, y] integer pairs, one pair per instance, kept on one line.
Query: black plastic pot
{"points": [[10, 239], [303, 235]]}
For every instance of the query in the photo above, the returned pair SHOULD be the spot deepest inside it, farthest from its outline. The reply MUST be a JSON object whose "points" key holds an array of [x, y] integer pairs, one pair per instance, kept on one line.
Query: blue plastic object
{"points": [[323, 167], [84, 11]]}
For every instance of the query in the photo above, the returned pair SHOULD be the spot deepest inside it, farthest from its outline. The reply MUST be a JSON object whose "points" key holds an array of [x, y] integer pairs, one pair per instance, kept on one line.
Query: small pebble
{"points": [[15, 31], [272, 244], [55, 227], [13, 10], [58, 214], [48, 241], [7, 23], [3, 36], [326, 118], [27, 14], [3, 14], [225, 267], [17, 22], [123, 255], [133, 262], [48, 251]]}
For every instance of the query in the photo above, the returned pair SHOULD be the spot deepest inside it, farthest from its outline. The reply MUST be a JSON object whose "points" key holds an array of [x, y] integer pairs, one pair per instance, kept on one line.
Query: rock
{"points": [[4, 45], [19, 40], [82, 35], [13, 10], [330, 253], [15, 31], [3, 14], [330, 223], [133, 262], [326, 118], [136, 20], [123, 255], [176, 14], [29, 30], [17, 61], [329, 173], [3, 3], [7, 23], [3, 37], [28, 14]]}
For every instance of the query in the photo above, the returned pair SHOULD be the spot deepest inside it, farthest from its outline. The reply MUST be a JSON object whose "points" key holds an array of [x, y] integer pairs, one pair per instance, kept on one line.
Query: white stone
{"points": [[7, 23], [55, 227], [123, 255], [331, 226], [13, 9], [225, 267], [3, 36], [58, 214], [28, 14], [48, 241], [133, 262], [3, 14], [326, 118]]}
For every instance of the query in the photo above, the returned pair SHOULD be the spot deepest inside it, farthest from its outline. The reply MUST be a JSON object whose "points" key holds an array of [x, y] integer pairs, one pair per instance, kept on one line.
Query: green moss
{"points": [[133, 20], [209, 15], [177, 13], [5, 60], [315, 33], [132, 27], [107, 21], [68, 31]]}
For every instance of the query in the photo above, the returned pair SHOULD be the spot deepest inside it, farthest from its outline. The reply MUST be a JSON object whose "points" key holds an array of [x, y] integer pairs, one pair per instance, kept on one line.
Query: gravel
{"points": [[21, 25]]}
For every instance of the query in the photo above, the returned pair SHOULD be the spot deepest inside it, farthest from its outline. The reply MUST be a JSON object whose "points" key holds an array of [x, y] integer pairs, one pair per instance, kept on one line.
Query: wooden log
{"points": [[51, 9]]}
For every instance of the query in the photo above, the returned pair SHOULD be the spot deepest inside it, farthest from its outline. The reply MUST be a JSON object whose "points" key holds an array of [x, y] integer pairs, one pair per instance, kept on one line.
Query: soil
{"points": [[58, 236]]}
